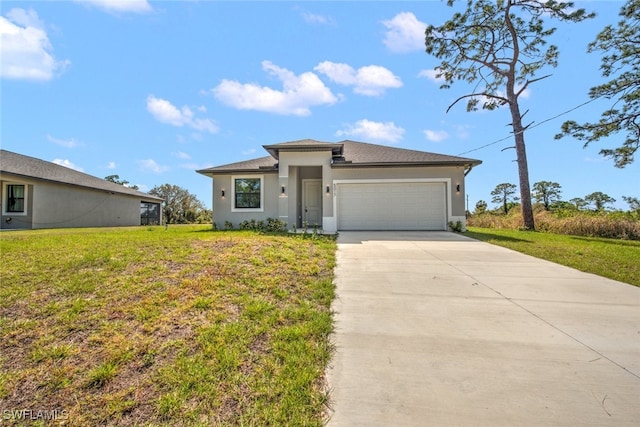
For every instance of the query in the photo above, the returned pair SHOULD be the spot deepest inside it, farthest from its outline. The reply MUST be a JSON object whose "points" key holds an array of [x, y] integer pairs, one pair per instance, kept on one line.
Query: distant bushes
{"points": [[615, 225]]}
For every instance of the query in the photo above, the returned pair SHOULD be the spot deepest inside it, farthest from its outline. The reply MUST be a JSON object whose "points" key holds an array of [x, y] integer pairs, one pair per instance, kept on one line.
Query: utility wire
{"points": [[530, 127]]}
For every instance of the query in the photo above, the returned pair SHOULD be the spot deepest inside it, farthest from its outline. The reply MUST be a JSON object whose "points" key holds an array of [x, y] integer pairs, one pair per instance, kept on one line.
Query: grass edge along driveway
{"points": [[611, 258], [147, 326]]}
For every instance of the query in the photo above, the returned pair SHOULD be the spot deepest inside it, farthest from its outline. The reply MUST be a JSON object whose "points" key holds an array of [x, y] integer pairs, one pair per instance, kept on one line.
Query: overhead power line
{"points": [[530, 127]]}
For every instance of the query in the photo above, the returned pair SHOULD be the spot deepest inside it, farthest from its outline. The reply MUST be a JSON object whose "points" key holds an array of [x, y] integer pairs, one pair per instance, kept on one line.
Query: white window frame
{"points": [[233, 193], [5, 196]]}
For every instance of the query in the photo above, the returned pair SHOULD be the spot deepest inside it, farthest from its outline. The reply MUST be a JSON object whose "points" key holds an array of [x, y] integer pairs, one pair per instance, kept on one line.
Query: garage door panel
{"points": [[391, 206]]}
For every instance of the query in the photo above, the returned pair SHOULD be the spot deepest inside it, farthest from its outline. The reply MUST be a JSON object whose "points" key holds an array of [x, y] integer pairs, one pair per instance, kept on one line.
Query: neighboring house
{"points": [[343, 186], [40, 194]]}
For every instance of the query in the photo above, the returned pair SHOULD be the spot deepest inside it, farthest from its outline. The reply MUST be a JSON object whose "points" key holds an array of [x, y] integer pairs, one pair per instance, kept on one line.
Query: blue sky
{"points": [[153, 90]]}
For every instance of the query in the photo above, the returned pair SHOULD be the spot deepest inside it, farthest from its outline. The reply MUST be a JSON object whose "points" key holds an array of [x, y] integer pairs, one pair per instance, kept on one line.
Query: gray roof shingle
{"points": [[347, 154], [362, 153], [29, 167], [262, 164]]}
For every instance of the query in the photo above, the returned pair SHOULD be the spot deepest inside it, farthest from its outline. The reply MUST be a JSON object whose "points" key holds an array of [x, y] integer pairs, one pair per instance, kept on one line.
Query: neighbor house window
{"points": [[15, 198], [247, 193]]}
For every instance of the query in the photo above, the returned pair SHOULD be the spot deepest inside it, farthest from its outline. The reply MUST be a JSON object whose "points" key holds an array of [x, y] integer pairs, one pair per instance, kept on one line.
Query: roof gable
{"points": [[30, 167]]}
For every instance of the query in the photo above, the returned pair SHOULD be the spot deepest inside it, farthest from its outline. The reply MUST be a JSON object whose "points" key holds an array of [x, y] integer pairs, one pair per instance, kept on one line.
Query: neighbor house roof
{"points": [[19, 165], [346, 154]]}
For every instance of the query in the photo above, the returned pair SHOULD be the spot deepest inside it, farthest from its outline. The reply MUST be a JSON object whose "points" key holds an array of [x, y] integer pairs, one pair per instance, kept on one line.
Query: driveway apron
{"points": [[433, 328]]}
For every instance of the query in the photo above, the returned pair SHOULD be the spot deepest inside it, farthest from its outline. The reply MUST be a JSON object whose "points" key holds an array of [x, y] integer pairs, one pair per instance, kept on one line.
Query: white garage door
{"points": [[391, 206]]}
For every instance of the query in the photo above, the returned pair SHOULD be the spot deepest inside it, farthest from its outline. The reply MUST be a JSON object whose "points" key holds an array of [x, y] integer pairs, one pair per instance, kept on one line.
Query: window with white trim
{"points": [[248, 193], [14, 202]]}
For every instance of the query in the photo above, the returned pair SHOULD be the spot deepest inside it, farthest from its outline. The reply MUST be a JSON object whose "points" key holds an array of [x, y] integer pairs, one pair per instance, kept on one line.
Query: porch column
{"points": [[284, 196]]}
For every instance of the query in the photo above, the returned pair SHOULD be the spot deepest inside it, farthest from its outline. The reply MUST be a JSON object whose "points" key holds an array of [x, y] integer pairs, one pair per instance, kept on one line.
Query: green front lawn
{"points": [[183, 326], [612, 258]]}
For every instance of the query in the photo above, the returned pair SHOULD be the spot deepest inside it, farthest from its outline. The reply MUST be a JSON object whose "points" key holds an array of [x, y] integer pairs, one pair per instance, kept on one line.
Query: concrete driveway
{"points": [[433, 328]]}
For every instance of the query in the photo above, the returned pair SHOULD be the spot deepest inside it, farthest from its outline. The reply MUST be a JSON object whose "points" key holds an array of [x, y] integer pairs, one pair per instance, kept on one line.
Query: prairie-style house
{"points": [[346, 185]]}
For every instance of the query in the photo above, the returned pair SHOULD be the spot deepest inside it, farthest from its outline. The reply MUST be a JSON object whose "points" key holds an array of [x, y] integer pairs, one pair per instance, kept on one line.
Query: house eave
{"points": [[210, 172], [141, 195], [348, 165]]}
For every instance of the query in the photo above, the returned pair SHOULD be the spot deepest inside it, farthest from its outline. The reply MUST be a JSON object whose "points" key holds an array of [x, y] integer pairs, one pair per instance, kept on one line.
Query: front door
{"points": [[312, 202]]}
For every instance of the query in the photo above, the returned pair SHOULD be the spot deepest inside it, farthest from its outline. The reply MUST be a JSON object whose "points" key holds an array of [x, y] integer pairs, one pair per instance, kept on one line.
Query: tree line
{"points": [[179, 207], [548, 195]]}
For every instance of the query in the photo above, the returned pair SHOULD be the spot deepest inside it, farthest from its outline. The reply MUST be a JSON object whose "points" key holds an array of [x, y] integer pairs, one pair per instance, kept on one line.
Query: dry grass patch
{"points": [[165, 327]]}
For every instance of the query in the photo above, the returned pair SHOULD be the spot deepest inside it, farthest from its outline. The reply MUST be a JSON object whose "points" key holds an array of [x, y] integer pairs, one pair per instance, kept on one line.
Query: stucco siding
{"points": [[222, 205], [57, 205], [294, 167]]}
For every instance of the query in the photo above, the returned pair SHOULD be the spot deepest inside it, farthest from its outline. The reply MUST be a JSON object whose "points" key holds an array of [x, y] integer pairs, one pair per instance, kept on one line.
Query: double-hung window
{"points": [[14, 201], [248, 193]]}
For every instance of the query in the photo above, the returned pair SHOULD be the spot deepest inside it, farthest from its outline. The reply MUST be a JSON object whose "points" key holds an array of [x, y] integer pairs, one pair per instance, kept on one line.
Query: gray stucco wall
{"points": [[56, 205], [294, 167], [53, 205], [222, 205]]}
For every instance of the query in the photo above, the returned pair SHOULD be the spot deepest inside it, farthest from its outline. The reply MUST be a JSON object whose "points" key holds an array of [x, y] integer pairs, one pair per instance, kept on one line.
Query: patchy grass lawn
{"points": [[612, 258], [183, 326]]}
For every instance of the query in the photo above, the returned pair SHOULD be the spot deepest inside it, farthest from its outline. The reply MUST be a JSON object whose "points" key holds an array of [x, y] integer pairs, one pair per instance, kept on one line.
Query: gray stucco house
{"points": [[343, 186], [40, 194]]}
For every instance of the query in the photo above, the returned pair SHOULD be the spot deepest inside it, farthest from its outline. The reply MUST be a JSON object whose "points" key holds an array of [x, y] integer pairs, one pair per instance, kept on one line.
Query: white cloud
{"points": [[436, 135], [25, 48], [525, 93], [181, 155], [196, 166], [370, 130], [248, 152], [298, 94], [69, 143], [372, 80], [205, 125], [165, 112], [404, 33], [312, 18], [67, 164], [151, 166], [343, 74], [462, 131], [119, 6], [431, 75], [111, 165]]}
